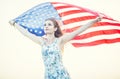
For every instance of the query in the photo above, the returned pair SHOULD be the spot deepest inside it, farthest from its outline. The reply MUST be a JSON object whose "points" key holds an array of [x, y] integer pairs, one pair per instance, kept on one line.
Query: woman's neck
{"points": [[50, 38]]}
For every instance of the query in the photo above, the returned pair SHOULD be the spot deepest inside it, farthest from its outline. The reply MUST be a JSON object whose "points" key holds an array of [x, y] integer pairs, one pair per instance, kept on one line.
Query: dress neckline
{"points": [[47, 45]]}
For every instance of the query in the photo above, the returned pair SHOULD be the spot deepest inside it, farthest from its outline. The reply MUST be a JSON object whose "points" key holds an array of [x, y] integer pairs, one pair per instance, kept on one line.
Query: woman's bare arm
{"points": [[33, 37], [67, 37]]}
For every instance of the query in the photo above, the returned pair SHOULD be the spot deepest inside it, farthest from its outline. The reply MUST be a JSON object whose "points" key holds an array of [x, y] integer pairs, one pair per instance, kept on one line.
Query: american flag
{"points": [[71, 17]]}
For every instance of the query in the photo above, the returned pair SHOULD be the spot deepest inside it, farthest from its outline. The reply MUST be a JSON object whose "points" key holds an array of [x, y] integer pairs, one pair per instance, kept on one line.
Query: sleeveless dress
{"points": [[52, 58]]}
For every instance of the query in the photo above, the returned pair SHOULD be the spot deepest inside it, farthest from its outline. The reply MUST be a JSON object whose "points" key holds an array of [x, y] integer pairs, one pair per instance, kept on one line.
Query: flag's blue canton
{"points": [[33, 19]]}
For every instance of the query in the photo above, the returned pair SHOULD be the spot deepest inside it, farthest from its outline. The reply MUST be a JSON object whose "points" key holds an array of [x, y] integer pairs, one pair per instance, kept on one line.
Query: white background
{"points": [[20, 58]]}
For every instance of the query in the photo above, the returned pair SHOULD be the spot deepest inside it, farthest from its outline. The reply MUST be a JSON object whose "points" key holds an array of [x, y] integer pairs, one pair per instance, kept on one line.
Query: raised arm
{"points": [[33, 37], [67, 37]]}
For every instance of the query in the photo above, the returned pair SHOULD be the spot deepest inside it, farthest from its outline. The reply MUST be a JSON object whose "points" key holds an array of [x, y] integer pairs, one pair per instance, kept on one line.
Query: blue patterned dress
{"points": [[54, 68]]}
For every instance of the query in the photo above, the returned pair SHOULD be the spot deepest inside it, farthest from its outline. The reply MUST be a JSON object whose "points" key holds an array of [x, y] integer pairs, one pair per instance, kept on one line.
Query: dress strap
{"points": [[56, 40]]}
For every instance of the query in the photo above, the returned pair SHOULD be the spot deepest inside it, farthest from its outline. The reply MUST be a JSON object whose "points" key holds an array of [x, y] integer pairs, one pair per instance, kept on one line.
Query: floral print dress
{"points": [[54, 68]]}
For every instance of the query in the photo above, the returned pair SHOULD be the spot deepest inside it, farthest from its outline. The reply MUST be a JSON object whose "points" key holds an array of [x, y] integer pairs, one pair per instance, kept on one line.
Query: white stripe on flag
{"points": [[76, 15], [92, 29], [95, 38]]}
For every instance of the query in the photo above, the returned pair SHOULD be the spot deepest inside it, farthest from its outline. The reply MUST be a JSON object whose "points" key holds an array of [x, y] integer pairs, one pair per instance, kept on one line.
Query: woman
{"points": [[52, 44]]}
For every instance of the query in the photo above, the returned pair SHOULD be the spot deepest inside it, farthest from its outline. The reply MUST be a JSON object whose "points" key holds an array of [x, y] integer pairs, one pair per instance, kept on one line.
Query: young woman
{"points": [[52, 44]]}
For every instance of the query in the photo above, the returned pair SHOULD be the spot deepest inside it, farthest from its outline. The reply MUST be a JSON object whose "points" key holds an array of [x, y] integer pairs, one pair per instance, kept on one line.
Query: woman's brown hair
{"points": [[58, 32]]}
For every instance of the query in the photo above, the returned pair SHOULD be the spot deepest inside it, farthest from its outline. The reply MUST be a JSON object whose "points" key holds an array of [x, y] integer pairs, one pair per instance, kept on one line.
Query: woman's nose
{"points": [[46, 26]]}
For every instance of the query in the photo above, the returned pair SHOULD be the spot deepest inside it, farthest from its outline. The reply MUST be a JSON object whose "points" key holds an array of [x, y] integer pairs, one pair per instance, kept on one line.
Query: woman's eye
{"points": [[49, 24], [44, 24]]}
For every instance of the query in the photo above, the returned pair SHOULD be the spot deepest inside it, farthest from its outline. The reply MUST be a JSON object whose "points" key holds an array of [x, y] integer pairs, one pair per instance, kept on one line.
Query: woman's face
{"points": [[49, 27]]}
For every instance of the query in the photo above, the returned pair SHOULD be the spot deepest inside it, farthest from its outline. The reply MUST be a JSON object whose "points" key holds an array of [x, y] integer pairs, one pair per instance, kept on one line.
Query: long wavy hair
{"points": [[58, 32]]}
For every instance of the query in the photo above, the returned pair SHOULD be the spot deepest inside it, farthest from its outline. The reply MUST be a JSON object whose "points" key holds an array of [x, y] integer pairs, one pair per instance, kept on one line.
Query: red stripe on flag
{"points": [[106, 24], [96, 33], [62, 7], [97, 42], [71, 12], [99, 24], [77, 19]]}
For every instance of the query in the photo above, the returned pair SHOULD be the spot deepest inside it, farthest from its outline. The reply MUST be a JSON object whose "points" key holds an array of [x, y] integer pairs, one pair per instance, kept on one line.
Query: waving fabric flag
{"points": [[72, 17]]}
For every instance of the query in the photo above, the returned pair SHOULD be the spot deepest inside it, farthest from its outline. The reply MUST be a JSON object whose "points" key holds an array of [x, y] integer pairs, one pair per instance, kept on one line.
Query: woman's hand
{"points": [[99, 18], [12, 23]]}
